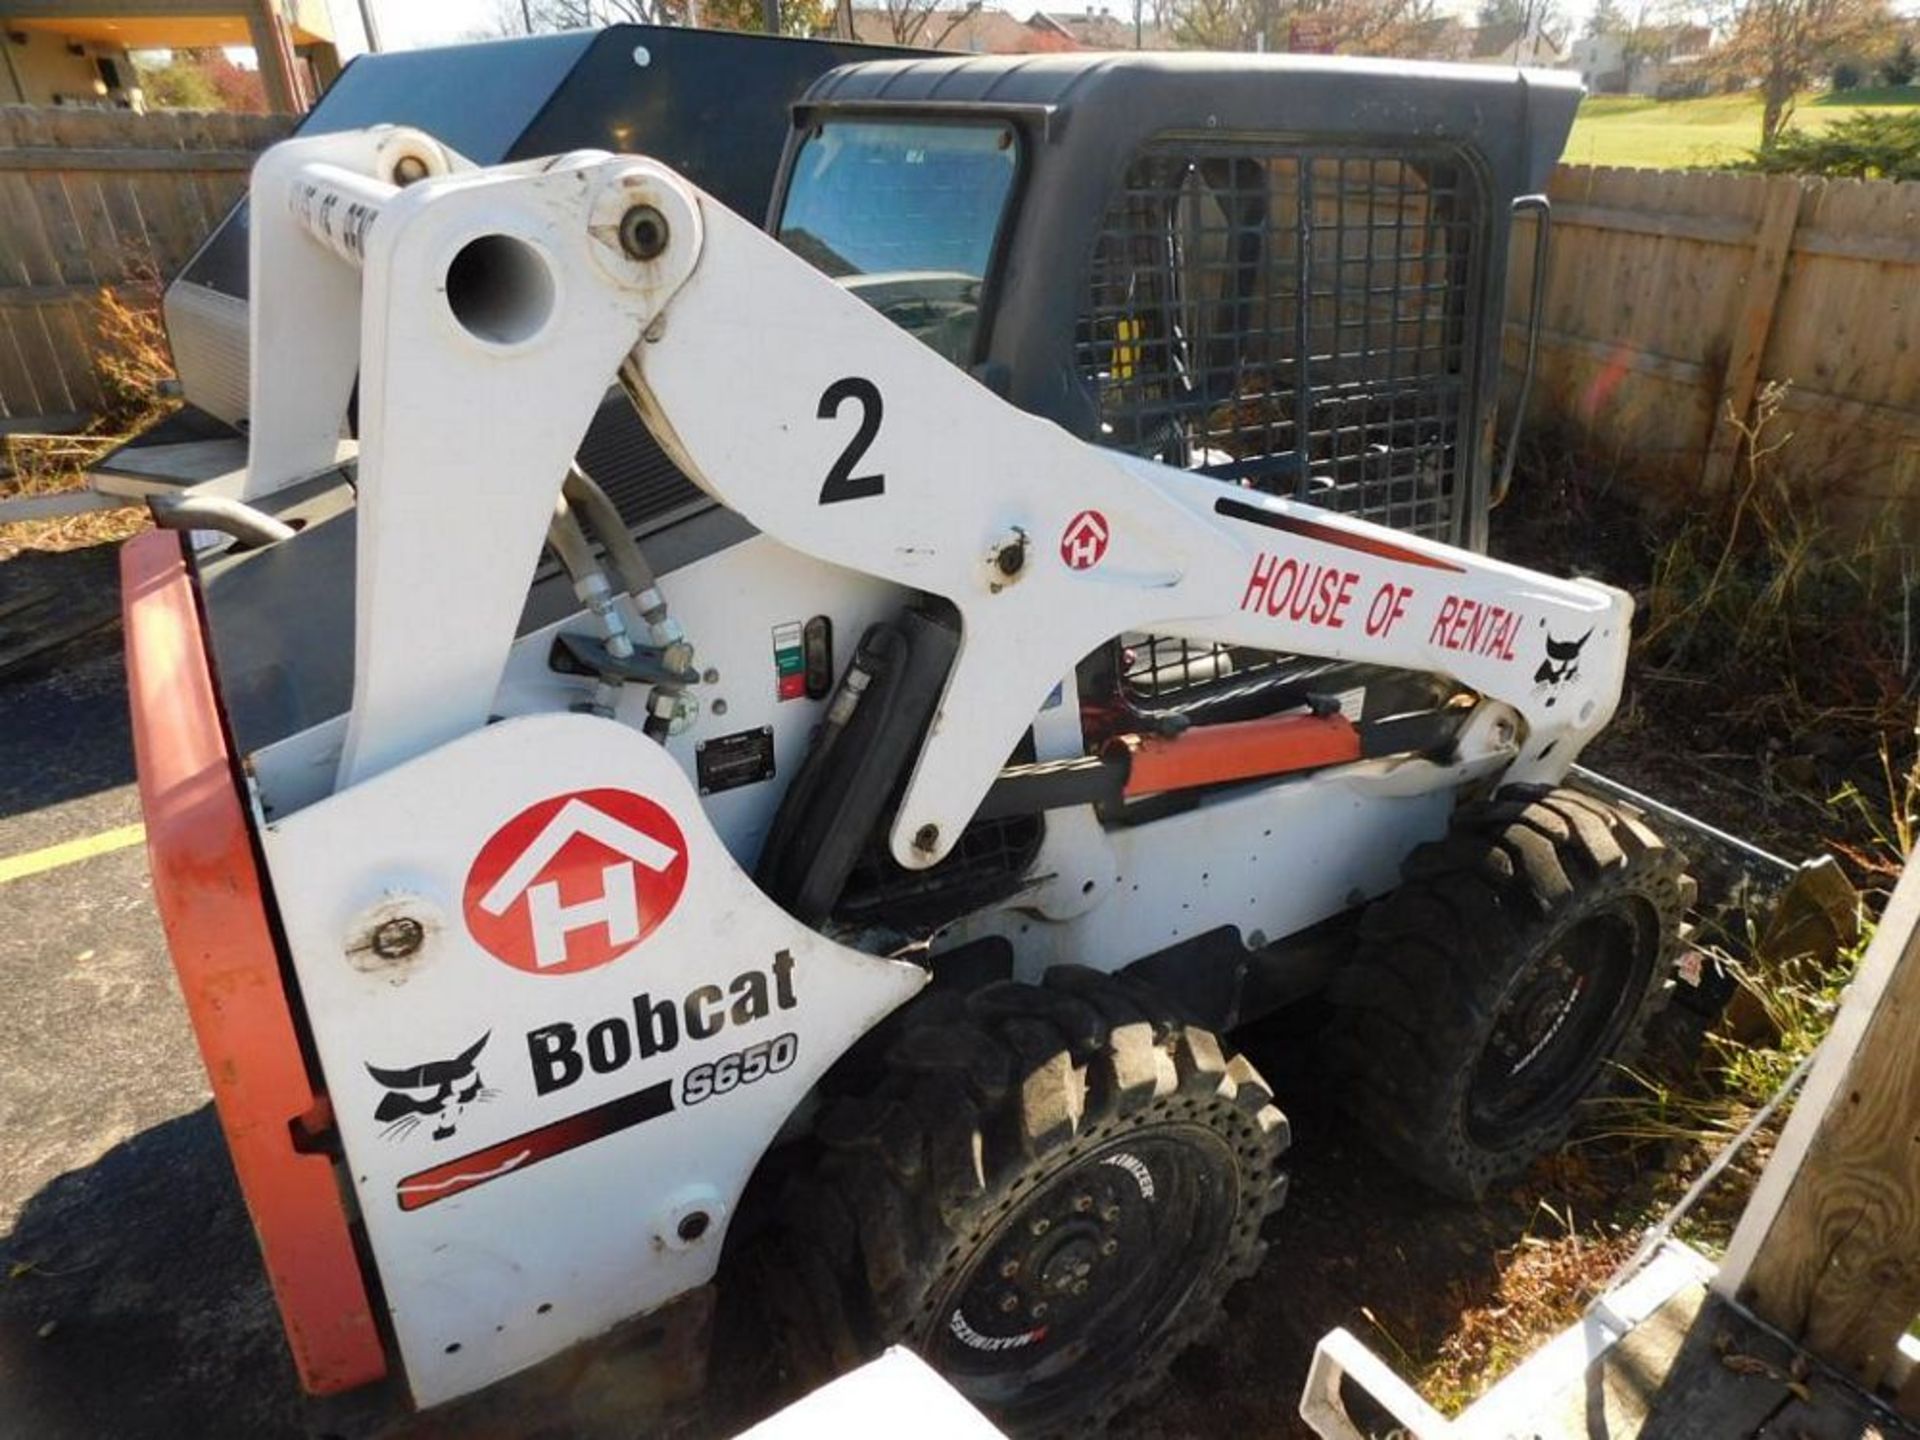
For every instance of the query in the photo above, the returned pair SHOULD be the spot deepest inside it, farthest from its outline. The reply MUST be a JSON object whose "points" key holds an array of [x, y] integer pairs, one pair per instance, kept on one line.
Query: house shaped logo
{"points": [[576, 881], [1084, 540]]}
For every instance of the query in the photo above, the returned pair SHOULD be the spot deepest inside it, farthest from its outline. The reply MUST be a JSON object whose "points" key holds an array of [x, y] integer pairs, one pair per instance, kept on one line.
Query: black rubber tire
{"points": [[991, 1108], [1444, 961]]}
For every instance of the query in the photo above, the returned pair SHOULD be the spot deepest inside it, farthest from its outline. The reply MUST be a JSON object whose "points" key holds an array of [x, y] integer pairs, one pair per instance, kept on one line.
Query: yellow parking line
{"points": [[18, 867]]}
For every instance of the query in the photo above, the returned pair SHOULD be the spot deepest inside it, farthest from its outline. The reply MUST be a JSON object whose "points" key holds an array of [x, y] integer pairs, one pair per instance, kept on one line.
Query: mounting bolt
{"points": [[1009, 1303], [926, 839], [1111, 1215], [1109, 1247], [643, 232], [1082, 1204], [1007, 559], [407, 169], [1079, 1287], [1040, 1225], [398, 938], [1009, 1269], [1039, 1311]]}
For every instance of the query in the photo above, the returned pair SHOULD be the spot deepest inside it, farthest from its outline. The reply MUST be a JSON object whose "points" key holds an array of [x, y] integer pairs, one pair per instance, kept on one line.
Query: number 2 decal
{"points": [[842, 483]]}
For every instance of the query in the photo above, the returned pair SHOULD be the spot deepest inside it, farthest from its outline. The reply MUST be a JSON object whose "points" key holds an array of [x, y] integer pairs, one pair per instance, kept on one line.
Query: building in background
{"points": [[1662, 61], [77, 52]]}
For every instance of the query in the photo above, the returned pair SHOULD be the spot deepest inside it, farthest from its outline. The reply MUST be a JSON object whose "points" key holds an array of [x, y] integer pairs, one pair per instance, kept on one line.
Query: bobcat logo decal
{"points": [[437, 1090], [1562, 665]]}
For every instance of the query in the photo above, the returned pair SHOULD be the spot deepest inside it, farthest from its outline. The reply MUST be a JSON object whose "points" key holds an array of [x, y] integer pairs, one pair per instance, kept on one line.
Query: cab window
{"points": [[905, 216]]}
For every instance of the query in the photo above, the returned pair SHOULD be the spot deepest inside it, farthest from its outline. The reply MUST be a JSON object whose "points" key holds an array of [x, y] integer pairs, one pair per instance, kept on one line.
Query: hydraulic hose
{"points": [[590, 586], [603, 518]]}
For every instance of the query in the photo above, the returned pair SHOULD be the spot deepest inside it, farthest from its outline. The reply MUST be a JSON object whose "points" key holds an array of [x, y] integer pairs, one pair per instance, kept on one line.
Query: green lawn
{"points": [[1674, 134]]}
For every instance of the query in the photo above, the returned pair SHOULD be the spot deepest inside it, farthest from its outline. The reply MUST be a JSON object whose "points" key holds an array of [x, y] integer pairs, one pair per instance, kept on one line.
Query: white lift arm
{"points": [[491, 310]]}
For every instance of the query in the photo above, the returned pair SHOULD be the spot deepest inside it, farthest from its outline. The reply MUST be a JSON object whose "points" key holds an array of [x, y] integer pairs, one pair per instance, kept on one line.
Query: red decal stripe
{"points": [[523, 1152], [1333, 535]]}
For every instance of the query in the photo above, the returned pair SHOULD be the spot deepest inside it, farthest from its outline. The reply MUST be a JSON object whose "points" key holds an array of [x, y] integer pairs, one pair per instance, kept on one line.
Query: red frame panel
{"points": [[208, 890]]}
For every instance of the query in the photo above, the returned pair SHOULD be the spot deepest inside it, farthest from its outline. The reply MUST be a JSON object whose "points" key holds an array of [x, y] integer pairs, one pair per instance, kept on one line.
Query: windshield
{"points": [[905, 215]]}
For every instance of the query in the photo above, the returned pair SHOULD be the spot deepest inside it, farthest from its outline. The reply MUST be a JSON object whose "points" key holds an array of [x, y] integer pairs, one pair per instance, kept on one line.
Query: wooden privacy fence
{"points": [[91, 198], [1673, 296]]}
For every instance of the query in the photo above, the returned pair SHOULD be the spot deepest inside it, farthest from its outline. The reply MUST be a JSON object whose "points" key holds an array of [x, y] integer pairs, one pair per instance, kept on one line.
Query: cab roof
{"points": [[1517, 119]]}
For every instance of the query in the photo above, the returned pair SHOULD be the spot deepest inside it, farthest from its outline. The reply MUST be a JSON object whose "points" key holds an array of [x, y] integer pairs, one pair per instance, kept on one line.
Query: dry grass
{"points": [[1546, 1281], [1781, 656], [132, 361]]}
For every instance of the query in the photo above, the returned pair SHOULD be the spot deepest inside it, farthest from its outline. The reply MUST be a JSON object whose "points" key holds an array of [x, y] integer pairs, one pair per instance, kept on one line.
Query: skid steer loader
{"points": [[1015, 700]]}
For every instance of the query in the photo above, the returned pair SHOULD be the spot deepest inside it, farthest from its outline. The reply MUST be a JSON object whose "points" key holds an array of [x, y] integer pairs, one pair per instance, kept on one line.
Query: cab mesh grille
{"points": [[1298, 319]]}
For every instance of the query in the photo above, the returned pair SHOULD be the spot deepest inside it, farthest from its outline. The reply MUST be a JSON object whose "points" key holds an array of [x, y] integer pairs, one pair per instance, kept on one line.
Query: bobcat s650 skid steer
{"points": [[1010, 701]]}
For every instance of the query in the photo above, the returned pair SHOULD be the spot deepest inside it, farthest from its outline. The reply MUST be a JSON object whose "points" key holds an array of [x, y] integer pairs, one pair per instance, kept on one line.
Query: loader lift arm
{"points": [[493, 306]]}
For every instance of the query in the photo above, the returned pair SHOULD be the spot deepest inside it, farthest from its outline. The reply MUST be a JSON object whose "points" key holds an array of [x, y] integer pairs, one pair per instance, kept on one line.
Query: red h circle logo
{"points": [[576, 881], [1084, 540]]}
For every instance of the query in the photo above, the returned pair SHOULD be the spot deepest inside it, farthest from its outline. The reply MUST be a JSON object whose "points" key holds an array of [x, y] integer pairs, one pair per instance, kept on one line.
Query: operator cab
{"points": [[1270, 269]]}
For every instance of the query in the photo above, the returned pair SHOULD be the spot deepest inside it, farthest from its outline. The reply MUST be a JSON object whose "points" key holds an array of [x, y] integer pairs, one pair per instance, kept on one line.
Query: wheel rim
{"points": [[1559, 1021], [1085, 1271]]}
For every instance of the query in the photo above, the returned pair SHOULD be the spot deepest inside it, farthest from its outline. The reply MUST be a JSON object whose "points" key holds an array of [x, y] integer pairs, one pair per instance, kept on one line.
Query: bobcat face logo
{"points": [[1562, 665], [438, 1090]]}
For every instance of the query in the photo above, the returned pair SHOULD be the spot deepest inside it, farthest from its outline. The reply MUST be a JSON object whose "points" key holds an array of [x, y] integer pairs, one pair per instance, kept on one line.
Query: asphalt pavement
{"points": [[133, 1302]]}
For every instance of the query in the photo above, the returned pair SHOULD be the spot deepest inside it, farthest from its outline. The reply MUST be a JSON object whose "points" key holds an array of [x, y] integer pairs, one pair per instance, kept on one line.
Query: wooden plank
{"points": [[18, 398], [1883, 250], [1851, 413], [70, 330], [48, 157], [42, 362], [1828, 1250], [1772, 245], [1616, 352], [1710, 229]]}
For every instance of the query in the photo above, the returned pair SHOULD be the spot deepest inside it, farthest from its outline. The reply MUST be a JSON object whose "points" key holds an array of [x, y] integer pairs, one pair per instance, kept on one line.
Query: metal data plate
{"points": [[727, 762]]}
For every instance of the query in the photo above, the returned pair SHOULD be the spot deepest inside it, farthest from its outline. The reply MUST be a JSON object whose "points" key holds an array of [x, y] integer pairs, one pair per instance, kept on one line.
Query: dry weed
{"points": [[133, 363]]}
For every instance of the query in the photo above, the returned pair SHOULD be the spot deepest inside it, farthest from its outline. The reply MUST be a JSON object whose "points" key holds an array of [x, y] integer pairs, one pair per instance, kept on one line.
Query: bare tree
{"points": [[1215, 24], [1532, 21], [1784, 44], [1348, 27], [924, 22], [522, 17]]}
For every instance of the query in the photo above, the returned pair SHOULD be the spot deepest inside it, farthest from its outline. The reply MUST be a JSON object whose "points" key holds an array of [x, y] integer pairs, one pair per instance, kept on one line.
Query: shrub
{"points": [[1865, 146]]}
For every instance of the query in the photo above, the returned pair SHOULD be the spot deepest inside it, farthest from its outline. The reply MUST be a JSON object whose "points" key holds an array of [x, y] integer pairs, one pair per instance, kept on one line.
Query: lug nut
{"points": [[1039, 1311], [1040, 1226], [1009, 1269], [1111, 1215], [1109, 1247], [1009, 1303], [1079, 1287], [1082, 1204]]}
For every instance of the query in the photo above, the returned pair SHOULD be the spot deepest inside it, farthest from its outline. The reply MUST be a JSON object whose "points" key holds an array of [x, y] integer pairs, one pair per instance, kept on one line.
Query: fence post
{"points": [[1772, 244], [1828, 1250]]}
